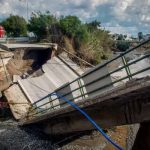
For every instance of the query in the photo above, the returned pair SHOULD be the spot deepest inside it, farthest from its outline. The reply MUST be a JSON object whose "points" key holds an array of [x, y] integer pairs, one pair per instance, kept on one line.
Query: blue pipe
{"points": [[89, 118]]}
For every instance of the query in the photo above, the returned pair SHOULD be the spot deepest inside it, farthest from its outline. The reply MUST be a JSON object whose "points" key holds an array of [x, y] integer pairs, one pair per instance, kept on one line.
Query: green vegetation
{"points": [[86, 40], [40, 24], [70, 26], [89, 41], [97, 45], [122, 45], [15, 26], [140, 36]]}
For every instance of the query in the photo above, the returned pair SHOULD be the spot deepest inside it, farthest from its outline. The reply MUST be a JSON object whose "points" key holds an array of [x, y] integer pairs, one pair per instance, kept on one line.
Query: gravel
{"points": [[12, 137]]}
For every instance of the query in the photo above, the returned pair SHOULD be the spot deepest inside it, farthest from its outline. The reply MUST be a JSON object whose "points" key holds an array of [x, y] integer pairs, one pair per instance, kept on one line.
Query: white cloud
{"points": [[134, 12], [123, 30], [116, 28]]}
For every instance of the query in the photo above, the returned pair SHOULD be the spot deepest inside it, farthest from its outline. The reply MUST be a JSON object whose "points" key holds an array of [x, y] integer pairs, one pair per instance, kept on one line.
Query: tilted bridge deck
{"points": [[109, 99]]}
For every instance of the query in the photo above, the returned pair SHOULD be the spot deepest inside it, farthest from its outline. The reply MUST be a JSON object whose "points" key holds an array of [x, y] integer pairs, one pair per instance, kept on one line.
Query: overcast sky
{"points": [[118, 16]]}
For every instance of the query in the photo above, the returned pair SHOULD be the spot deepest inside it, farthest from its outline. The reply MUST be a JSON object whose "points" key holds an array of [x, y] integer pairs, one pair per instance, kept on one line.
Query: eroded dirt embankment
{"points": [[21, 62], [25, 60]]}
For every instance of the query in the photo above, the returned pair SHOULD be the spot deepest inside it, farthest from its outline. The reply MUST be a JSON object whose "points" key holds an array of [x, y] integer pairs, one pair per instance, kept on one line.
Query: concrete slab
{"points": [[18, 103], [58, 71], [91, 77], [145, 63], [37, 88], [14, 46], [56, 74], [64, 57]]}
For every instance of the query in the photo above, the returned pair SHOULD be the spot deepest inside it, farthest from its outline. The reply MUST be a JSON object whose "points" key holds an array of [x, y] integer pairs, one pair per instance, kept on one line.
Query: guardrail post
{"points": [[81, 89], [126, 67]]}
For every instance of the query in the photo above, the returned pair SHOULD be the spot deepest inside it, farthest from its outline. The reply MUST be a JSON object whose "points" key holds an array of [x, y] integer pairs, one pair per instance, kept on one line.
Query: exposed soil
{"points": [[95, 141], [22, 61], [27, 61]]}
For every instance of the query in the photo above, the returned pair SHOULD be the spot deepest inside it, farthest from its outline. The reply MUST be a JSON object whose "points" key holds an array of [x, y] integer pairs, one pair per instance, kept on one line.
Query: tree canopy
{"points": [[15, 26], [87, 40], [123, 45], [140, 36], [94, 25], [40, 24], [70, 25]]}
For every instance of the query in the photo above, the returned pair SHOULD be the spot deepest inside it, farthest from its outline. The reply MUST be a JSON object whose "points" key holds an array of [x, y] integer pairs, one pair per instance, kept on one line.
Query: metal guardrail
{"points": [[96, 84], [15, 39]]}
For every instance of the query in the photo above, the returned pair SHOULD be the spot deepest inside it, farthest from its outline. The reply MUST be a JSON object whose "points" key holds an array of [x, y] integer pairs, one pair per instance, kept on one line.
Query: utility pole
{"points": [[27, 10]]}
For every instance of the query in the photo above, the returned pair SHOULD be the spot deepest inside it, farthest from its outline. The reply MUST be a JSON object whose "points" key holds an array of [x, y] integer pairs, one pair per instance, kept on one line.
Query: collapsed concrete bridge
{"points": [[113, 93]]}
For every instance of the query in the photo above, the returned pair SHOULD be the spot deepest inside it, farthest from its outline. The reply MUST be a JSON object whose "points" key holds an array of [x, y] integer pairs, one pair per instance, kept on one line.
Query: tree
{"points": [[120, 37], [140, 36], [15, 26], [40, 24], [70, 25], [125, 36], [94, 25], [122, 45], [81, 36]]}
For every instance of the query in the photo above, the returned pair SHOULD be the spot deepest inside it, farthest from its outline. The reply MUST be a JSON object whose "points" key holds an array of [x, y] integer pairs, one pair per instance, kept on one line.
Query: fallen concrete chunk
{"points": [[18, 103]]}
